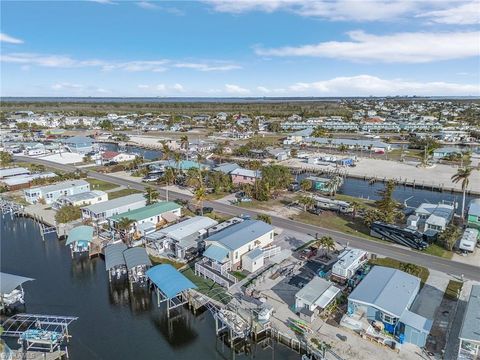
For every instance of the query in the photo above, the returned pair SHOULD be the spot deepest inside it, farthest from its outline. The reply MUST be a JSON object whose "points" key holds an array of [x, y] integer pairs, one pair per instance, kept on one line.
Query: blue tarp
{"points": [[169, 280], [216, 253]]}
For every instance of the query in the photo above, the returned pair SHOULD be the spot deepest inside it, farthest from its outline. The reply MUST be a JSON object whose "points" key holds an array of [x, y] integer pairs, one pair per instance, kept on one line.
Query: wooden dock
{"points": [[39, 355]]}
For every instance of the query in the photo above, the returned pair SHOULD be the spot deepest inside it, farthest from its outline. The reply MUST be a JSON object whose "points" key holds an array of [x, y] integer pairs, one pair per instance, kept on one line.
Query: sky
{"points": [[240, 48]]}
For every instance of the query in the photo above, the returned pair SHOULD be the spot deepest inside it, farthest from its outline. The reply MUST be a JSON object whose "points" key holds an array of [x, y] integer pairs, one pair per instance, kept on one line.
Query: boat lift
{"points": [[39, 332]]}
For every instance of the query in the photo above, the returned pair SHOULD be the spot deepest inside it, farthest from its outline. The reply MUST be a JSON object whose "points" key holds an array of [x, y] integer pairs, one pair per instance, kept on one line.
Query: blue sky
{"points": [[240, 48]]}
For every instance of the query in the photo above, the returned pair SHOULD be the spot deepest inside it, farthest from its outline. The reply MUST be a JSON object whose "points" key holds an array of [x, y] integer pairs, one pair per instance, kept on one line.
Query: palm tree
{"points": [[462, 176], [355, 206], [333, 185], [184, 144], [165, 150], [151, 195], [123, 225], [177, 157], [200, 195], [194, 178], [307, 202], [265, 218], [169, 177], [327, 243]]}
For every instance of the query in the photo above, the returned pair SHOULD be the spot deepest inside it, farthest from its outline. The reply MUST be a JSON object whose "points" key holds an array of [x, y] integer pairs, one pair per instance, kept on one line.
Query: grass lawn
{"points": [[421, 272], [338, 222], [366, 203], [100, 184], [217, 216], [207, 286], [439, 251], [453, 289], [123, 192], [157, 260], [239, 275]]}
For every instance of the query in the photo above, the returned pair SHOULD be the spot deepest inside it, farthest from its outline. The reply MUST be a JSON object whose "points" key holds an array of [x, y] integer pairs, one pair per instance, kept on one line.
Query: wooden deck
{"points": [[40, 355]]}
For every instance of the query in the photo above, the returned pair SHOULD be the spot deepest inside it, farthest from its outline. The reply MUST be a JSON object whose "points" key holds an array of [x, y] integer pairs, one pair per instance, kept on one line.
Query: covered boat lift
{"points": [[11, 290], [171, 286], [80, 239], [39, 332], [137, 262], [114, 260]]}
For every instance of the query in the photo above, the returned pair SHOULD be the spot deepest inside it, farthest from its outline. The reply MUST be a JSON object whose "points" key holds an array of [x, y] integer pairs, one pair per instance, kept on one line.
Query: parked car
{"points": [[204, 210]]}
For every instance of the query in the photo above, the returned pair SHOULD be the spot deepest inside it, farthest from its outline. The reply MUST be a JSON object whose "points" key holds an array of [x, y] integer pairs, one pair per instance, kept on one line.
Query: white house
{"points": [[315, 295], [99, 212], [51, 193], [81, 199], [347, 264], [253, 260]]}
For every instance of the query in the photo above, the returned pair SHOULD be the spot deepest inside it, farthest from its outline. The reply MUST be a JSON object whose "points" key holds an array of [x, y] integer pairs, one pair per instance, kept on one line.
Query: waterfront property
{"points": [[332, 205], [79, 239], [113, 156], [237, 240], [349, 261], [171, 286], [115, 261], [434, 217], [51, 193], [181, 240], [314, 297], [147, 219], [241, 176], [369, 145], [11, 290], [469, 348], [473, 217], [79, 144], [100, 212], [137, 263], [81, 199], [385, 295]]}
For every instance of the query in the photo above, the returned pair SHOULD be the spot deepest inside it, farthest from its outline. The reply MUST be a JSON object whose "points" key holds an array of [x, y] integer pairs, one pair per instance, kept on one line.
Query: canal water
{"points": [[112, 323], [353, 187]]}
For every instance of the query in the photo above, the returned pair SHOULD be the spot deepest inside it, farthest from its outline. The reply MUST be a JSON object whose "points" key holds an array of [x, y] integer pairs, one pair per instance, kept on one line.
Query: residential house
{"points": [[182, 240], [226, 168], [434, 217], [81, 199], [243, 176], [230, 244], [147, 219], [51, 193], [443, 152], [314, 297], [15, 171], [79, 144], [113, 156], [23, 181], [349, 261], [100, 212], [386, 295], [469, 348], [366, 144]]}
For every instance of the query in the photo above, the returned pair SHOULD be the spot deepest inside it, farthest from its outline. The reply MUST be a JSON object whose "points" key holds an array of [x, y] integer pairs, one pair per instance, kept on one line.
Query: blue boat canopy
{"points": [[216, 253], [9, 282], [169, 280], [80, 233]]}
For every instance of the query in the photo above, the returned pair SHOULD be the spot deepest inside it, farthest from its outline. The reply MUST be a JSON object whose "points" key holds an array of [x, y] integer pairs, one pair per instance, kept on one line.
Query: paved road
{"points": [[380, 248]]}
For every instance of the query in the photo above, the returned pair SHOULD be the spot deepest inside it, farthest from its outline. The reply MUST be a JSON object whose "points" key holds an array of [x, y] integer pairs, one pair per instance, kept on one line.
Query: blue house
{"points": [[79, 144], [386, 295]]}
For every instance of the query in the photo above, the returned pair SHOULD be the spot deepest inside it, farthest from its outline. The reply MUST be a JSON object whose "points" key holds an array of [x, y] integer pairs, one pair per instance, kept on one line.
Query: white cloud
{"points": [[65, 61], [66, 86], [10, 39], [353, 10], [178, 87], [395, 48], [366, 85], [105, 2], [265, 90], [207, 67], [464, 14], [147, 5], [236, 90]]}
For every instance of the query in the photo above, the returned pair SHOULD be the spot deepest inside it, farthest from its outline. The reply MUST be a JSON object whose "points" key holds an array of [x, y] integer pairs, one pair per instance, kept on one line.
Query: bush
{"points": [[68, 213]]}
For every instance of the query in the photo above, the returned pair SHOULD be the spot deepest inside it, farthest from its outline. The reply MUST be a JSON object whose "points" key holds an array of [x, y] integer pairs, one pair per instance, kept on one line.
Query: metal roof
{"points": [[60, 186], [188, 227], [235, 236], [136, 256], [471, 319], [474, 207], [80, 233], [226, 168], [147, 211], [87, 195], [79, 140], [254, 254], [247, 173], [387, 289], [9, 282], [13, 172], [116, 203], [114, 255], [216, 253], [318, 291], [169, 280], [416, 321]]}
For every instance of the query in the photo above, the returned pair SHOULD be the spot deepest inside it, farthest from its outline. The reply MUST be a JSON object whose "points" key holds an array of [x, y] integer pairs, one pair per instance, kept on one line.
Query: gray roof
{"points": [[348, 142], [387, 289], [188, 227], [79, 140], [247, 173], [416, 321], [8, 282], [60, 186], [136, 256], [115, 203], [254, 254], [226, 168], [470, 329], [87, 195], [474, 207], [235, 236], [114, 255], [13, 171]]}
